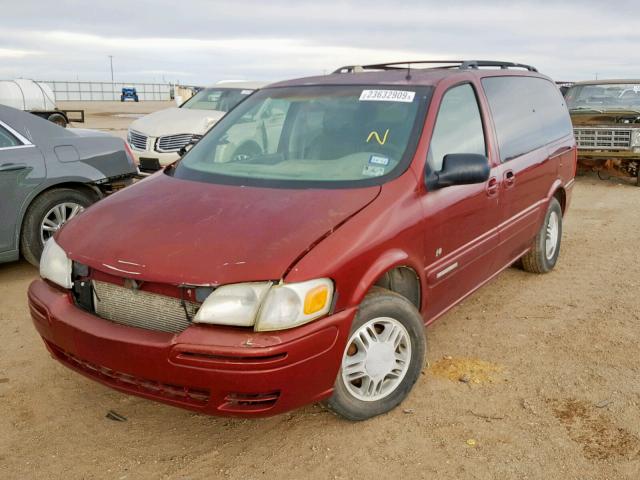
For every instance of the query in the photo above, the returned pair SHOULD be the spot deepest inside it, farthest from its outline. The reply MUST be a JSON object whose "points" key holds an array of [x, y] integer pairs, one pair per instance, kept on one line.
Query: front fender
{"points": [[385, 262]]}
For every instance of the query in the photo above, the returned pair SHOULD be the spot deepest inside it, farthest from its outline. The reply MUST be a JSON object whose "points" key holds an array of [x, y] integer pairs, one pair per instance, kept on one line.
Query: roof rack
{"points": [[461, 64]]}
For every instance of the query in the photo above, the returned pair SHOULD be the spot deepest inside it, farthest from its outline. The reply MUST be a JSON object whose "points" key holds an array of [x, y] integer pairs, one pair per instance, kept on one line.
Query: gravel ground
{"points": [[550, 390]]}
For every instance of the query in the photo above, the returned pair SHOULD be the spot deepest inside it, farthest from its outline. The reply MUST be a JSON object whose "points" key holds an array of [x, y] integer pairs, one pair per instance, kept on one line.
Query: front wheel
{"points": [[543, 256], [46, 215], [383, 357]]}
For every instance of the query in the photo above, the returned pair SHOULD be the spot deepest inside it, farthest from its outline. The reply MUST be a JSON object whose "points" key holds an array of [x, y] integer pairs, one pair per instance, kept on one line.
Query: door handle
{"points": [[492, 187], [12, 167], [509, 178]]}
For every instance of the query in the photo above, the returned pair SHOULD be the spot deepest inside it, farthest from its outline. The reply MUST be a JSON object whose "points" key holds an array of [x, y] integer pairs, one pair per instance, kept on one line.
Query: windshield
{"points": [[603, 97], [312, 136], [221, 99]]}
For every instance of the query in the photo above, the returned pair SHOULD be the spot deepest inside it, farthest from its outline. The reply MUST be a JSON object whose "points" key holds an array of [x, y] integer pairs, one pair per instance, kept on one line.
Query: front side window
{"points": [[7, 139], [528, 113], [220, 99], [312, 136], [458, 127]]}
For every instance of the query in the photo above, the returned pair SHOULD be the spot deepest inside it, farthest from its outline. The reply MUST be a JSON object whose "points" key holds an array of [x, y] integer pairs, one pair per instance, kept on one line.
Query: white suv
{"points": [[156, 139]]}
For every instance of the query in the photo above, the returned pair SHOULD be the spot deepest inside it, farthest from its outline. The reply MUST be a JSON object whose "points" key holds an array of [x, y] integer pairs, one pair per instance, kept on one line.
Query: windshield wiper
{"points": [[586, 108]]}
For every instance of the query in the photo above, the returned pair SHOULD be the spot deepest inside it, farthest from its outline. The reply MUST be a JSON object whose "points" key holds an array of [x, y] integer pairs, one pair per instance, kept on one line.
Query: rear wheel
{"points": [[383, 357], [58, 119], [543, 256], [46, 215]]}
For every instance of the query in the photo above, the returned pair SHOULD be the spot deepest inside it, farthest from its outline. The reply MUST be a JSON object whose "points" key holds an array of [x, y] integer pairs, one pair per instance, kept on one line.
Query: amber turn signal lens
{"points": [[316, 299]]}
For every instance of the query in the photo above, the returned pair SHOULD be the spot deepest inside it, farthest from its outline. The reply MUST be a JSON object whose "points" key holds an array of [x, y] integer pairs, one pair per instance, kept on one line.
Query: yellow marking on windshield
{"points": [[375, 135]]}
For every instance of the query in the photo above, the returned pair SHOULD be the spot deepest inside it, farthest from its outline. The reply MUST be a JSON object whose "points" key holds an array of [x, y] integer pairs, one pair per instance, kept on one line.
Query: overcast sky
{"points": [[200, 42]]}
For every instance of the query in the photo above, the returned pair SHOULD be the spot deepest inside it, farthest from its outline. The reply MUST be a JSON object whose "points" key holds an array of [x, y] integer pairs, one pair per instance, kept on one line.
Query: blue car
{"points": [[129, 93]]}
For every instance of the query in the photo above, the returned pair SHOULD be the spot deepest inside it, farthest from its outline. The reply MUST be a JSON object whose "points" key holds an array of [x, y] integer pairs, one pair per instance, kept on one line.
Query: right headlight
{"points": [[635, 138], [266, 306], [55, 265]]}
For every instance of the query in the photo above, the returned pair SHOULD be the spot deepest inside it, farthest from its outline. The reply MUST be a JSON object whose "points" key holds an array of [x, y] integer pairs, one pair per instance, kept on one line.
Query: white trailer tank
{"points": [[27, 95]]}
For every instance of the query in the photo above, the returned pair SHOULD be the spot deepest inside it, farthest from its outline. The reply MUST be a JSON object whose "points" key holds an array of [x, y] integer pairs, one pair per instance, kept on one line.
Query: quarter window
{"points": [[528, 113], [6, 139], [458, 127]]}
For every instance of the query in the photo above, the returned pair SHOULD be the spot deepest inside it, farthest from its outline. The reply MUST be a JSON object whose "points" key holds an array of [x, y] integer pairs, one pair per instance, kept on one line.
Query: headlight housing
{"points": [[235, 304], [55, 266], [265, 306], [293, 304], [635, 138]]}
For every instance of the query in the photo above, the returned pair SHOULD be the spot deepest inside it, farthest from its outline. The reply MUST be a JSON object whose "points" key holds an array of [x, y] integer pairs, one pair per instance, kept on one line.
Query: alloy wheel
{"points": [[57, 217], [376, 359]]}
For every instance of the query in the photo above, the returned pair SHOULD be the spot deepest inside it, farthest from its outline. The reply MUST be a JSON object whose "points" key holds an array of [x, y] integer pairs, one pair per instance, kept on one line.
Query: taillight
{"points": [[129, 153]]}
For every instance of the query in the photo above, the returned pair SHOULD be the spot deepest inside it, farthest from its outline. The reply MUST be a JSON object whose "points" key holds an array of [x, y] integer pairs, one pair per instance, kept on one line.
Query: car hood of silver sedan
{"points": [[173, 121]]}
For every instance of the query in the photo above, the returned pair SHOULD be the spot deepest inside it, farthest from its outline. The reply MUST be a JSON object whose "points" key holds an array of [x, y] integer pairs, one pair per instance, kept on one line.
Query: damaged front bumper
{"points": [[215, 370]]}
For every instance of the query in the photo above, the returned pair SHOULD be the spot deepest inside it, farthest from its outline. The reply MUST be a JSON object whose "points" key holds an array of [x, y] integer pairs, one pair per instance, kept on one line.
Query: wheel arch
{"points": [[76, 185], [395, 271], [557, 191]]}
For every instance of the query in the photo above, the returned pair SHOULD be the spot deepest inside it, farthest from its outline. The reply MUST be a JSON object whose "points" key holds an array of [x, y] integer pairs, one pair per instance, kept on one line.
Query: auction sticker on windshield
{"points": [[387, 96]]}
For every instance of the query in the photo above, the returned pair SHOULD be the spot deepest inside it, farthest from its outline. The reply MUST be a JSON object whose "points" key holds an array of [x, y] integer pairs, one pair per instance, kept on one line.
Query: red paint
{"points": [[169, 232]]}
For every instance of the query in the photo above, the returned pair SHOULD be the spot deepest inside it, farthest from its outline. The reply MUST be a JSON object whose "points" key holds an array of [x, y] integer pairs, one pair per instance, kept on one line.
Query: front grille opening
{"points": [[173, 143], [142, 309], [137, 140], [180, 393], [246, 402], [233, 358], [603, 138]]}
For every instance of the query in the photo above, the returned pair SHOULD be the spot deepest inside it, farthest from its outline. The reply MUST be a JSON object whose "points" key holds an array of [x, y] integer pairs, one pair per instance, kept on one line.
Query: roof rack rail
{"points": [[461, 64]]}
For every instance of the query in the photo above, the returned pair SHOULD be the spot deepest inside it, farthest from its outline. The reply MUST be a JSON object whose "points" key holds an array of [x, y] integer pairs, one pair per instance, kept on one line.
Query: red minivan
{"points": [[296, 252]]}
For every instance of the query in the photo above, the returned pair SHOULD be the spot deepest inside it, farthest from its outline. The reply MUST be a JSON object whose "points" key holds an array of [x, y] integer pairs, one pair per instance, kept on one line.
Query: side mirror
{"points": [[460, 169]]}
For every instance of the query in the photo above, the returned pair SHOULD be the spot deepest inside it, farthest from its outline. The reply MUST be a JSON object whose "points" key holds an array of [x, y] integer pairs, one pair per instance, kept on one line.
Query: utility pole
{"points": [[111, 63]]}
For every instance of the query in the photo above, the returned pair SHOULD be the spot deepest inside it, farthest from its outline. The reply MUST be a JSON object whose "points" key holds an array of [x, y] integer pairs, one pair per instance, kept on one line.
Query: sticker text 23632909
{"points": [[387, 96]]}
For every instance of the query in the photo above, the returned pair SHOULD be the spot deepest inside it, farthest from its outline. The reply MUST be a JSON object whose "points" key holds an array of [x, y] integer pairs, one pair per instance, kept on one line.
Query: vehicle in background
{"points": [[606, 124], [307, 269], [564, 87], [50, 174], [156, 139], [129, 93], [37, 98]]}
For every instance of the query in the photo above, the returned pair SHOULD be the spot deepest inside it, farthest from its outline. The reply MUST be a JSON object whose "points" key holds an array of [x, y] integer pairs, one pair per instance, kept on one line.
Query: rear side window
{"points": [[458, 127], [528, 113], [7, 139]]}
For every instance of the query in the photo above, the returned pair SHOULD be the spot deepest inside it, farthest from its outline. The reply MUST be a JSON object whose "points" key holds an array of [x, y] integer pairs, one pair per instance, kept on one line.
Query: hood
{"points": [[625, 118], [175, 231], [172, 121]]}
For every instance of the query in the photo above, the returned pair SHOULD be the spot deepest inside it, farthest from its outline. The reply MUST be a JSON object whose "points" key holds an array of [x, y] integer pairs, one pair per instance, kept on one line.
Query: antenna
{"points": [[408, 77]]}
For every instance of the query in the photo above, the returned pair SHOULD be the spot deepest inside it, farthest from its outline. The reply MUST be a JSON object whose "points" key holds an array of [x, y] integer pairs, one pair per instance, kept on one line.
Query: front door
{"points": [[461, 221]]}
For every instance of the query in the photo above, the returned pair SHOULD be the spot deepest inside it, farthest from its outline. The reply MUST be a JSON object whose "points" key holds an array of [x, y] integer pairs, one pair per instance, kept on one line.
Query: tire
{"points": [[540, 259], [58, 119], [122, 98], [31, 243], [400, 315], [135, 99]]}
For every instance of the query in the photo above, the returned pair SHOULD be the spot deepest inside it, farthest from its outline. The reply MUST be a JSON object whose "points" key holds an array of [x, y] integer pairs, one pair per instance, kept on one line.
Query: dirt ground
{"points": [[551, 390]]}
